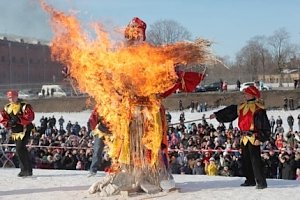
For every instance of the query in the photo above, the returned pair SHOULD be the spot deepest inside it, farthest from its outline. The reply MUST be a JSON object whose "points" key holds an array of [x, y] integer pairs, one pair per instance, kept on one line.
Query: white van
{"points": [[52, 91], [261, 86]]}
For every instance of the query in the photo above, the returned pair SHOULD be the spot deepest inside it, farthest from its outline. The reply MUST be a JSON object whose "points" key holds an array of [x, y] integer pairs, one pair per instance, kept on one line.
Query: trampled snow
{"points": [[82, 117], [69, 184], [73, 185]]}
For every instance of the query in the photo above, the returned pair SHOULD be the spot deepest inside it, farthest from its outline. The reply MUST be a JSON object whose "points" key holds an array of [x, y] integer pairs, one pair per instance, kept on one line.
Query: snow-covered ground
{"points": [[65, 185], [82, 117]]}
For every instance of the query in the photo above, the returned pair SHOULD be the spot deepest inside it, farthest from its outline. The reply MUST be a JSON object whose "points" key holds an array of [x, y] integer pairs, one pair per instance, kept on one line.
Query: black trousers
{"points": [[252, 164], [23, 154]]}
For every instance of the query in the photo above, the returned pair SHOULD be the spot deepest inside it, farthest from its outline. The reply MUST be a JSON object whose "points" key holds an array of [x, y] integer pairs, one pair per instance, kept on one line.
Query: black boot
{"points": [[25, 173], [248, 183], [262, 185]]}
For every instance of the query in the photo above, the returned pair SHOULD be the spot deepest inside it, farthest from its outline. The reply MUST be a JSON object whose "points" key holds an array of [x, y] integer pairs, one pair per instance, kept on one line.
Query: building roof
{"points": [[16, 38]]}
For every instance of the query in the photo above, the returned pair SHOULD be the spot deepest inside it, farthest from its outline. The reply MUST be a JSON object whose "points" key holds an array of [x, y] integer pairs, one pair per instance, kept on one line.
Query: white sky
{"points": [[230, 24]]}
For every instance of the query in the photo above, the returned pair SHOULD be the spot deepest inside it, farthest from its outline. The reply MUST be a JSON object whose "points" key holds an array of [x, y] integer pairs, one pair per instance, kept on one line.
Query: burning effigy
{"points": [[128, 81]]}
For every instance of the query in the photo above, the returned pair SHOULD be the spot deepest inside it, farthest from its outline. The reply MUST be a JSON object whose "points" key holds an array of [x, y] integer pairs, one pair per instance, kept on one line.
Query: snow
{"points": [[82, 117], [64, 184], [68, 184]]}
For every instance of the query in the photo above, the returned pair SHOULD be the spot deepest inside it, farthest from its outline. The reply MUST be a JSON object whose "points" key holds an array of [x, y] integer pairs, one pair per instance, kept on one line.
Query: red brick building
{"points": [[27, 64]]}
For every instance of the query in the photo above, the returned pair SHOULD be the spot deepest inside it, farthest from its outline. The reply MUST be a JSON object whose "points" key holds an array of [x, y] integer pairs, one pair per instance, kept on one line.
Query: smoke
{"points": [[24, 18]]}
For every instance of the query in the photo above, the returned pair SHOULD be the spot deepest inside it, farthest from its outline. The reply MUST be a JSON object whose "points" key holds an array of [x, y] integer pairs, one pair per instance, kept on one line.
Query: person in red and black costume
{"points": [[255, 128], [17, 116]]}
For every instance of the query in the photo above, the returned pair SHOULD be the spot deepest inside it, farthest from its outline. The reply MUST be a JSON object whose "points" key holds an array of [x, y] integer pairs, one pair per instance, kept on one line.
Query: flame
{"points": [[118, 76]]}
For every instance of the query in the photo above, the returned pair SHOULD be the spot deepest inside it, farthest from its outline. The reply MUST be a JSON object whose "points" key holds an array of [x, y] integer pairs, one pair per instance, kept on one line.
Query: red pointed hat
{"points": [[252, 90], [12, 93]]}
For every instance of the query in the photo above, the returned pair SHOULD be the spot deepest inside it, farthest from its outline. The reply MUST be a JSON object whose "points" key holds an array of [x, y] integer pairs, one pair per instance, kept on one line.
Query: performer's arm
{"points": [[262, 125], [94, 119], [28, 115], [227, 114], [4, 119]]}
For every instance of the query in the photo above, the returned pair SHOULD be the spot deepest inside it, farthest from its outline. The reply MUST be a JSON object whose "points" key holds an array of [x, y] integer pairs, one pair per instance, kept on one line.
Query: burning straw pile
{"points": [[126, 83]]}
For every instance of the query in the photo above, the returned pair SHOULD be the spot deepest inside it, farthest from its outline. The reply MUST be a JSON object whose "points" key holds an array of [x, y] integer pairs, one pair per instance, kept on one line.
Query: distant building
{"points": [[26, 63], [288, 76]]}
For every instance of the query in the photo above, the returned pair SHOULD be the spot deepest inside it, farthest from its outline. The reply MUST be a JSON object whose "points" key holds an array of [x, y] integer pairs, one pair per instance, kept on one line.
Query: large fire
{"points": [[119, 77]]}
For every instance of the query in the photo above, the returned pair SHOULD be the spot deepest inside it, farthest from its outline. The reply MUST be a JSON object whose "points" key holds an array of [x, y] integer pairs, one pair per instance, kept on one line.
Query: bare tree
{"points": [[259, 44], [167, 32], [281, 49], [249, 60]]}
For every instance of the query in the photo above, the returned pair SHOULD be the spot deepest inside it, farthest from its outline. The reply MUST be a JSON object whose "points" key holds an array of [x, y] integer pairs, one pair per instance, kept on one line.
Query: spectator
{"points": [[168, 117], [298, 122], [238, 84], [236, 166], [198, 168], [52, 121], [192, 106], [61, 122], [221, 85], [211, 168], [285, 103], [69, 126], [76, 128], [290, 121], [272, 124], [174, 165], [44, 122], [295, 83], [279, 141], [199, 107], [279, 130], [69, 161], [181, 118], [287, 165], [278, 121], [52, 92], [180, 105], [267, 164], [225, 171], [205, 106], [291, 103], [100, 130], [298, 174], [224, 86]]}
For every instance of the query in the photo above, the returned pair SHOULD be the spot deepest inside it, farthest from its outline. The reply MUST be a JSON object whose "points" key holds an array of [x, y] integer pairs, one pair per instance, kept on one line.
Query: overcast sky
{"points": [[229, 23]]}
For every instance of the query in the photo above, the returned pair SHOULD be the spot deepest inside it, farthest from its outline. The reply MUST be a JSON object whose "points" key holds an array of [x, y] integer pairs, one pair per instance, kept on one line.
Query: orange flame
{"points": [[115, 75]]}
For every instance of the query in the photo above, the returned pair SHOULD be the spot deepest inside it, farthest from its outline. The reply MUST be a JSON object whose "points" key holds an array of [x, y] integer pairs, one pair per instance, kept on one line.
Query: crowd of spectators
{"points": [[194, 148]]}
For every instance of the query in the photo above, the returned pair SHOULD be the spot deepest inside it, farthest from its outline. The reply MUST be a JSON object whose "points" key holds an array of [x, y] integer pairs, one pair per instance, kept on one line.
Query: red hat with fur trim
{"points": [[252, 90], [12, 93]]}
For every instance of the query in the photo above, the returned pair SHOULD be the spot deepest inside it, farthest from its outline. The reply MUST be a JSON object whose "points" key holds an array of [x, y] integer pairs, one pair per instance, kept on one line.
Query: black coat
{"points": [[261, 121]]}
